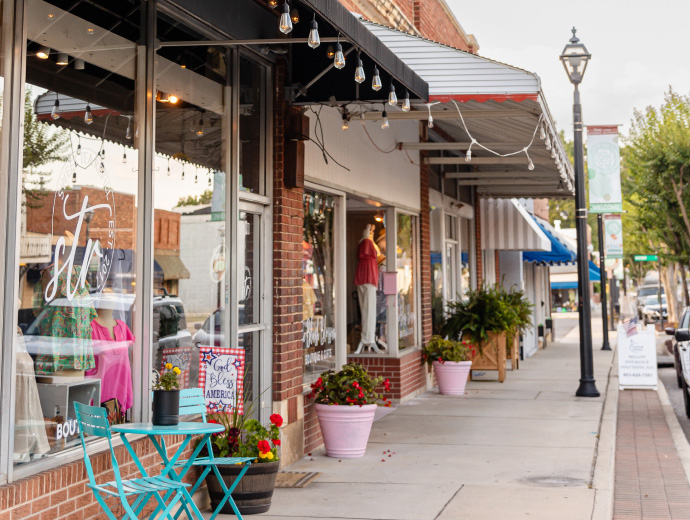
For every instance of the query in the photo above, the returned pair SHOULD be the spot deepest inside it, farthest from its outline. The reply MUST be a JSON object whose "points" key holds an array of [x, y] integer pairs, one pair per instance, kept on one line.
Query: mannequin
{"points": [[366, 280], [112, 339]]}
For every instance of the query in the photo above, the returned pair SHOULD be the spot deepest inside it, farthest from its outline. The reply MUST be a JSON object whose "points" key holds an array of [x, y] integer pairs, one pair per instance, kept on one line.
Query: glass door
{"points": [[252, 313]]}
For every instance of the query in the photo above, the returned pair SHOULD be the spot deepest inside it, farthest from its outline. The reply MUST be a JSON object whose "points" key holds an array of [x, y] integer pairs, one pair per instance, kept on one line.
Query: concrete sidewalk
{"points": [[526, 448]]}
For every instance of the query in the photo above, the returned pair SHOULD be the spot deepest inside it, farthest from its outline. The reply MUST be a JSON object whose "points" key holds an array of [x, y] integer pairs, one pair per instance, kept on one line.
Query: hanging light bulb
{"points": [[430, 119], [392, 97], [124, 157], [78, 64], [90, 31], [173, 99], [273, 3], [406, 102], [339, 59], [74, 177], [43, 52], [88, 116], [128, 133], [542, 132], [346, 121], [359, 71], [330, 52], [548, 142], [314, 41], [55, 113], [79, 149], [200, 126], [62, 59], [384, 121], [376, 80], [530, 164], [468, 155], [168, 167], [102, 152], [209, 181], [101, 168], [196, 178], [553, 153], [183, 172], [285, 24], [294, 15]]}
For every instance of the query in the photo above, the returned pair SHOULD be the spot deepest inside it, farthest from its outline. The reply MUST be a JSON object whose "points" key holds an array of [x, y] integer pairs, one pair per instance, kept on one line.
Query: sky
{"points": [[638, 49]]}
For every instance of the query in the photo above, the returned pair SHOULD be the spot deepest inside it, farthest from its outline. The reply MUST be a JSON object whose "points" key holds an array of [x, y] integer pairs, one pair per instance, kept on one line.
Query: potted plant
{"points": [[166, 397], [482, 319], [345, 406], [246, 438], [451, 360], [519, 312]]}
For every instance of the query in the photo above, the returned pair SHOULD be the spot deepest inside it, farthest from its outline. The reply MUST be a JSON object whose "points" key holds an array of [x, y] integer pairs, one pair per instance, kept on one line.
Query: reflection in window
{"points": [[252, 114], [405, 267]]}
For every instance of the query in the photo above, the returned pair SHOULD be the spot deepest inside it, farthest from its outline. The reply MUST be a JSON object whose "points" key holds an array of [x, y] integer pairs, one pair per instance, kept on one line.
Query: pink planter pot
{"points": [[452, 376], [345, 429]]}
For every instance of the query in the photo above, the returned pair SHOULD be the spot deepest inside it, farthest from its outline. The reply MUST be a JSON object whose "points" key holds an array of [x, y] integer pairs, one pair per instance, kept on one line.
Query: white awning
{"points": [[502, 107], [507, 226]]}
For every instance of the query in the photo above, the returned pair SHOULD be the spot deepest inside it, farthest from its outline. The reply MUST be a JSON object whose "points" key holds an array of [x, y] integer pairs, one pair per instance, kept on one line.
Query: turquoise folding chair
{"points": [[93, 420], [192, 403]]}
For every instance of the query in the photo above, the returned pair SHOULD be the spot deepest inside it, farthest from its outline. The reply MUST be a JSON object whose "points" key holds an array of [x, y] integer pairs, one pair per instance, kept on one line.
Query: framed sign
{"points": [[221, 377], [178, 357], [613, 236], [636, 357]]}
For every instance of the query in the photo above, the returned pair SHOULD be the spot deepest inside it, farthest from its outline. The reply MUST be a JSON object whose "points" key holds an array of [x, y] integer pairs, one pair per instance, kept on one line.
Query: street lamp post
{"points": [[602, 271], [575, 58]]}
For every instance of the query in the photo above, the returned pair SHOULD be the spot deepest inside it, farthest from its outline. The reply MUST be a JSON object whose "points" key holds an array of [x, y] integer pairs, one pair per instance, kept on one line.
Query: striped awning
{"points": [[508, 226]]}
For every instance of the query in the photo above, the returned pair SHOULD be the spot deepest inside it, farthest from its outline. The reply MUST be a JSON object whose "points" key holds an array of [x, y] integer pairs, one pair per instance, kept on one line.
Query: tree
{"points": [[42, 145], [190, 200]]}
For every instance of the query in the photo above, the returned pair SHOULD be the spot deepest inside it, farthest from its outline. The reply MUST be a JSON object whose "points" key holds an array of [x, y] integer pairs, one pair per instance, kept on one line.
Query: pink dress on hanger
{"points": [[112, 362]]}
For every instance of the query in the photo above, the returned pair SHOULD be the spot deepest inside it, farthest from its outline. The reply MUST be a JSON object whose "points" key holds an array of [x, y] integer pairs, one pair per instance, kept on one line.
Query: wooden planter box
{"points": [[493, 356], [515, 352]]}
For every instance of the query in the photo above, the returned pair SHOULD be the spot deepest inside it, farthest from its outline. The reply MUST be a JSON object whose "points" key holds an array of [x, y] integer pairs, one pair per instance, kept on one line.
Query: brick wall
{"points": [[497, 267], [478, 242], [62, 493], [406, 373], [166, 227], [425, 239], [288, 225]]}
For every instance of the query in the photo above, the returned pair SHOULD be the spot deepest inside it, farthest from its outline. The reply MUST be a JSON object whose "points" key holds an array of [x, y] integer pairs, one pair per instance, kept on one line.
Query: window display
{"points": [[318, 284], [407, 294]]}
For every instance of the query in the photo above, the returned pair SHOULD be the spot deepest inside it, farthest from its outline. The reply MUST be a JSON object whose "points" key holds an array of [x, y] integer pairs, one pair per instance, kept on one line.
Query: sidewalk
{"points": [[526, 448]]}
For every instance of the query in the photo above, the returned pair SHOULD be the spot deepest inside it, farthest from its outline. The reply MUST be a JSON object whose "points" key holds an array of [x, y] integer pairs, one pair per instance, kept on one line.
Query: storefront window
{"points": [[192, 157], [405, 267], [318, 284], [78, 224], [252, 127]]}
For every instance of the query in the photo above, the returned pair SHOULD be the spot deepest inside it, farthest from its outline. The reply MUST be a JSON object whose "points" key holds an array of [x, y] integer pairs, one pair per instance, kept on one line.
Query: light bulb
{"points": [[103, 153], [79, 149], [173, 99], [62, 58], [168, 170], [90, 31], [124, 157], [128, 133], [468, 155], [430, 121], [78, 64], [74, 177], [530, 164], [330, 52], [183, 173], [359, 72], [376, 80], [542, 132], [553, 154], [339, 59], [55, 113], [384, 121], [101, 168], [406, 102], [273, 3], [346, 122], [43, 52], [200, 127], [209, 181], [285, 24], [314, 41], [196, 178], [88, 116], [294, 15], [392, 97], [548, 143]]}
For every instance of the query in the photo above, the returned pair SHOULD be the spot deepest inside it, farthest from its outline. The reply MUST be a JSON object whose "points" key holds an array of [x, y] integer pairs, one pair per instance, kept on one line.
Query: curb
{"points": [[603, 481], [677, 434]]}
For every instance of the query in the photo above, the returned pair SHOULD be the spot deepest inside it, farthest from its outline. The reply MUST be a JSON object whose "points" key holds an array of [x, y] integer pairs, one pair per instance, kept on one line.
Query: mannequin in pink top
{"points": [[111, 342], [366, 280]]}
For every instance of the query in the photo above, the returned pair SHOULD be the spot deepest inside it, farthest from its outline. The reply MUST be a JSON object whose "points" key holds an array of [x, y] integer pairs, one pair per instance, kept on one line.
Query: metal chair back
{"points": [[192, 402]]}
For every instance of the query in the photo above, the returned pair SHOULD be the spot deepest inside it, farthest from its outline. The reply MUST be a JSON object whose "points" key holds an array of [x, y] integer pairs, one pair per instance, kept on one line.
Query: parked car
{"points": [[672, 343], [682, 343], [653, 312], [644, 292]]}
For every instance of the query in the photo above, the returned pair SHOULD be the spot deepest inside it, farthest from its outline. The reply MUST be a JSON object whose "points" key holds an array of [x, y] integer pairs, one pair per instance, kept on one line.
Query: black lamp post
{"points": [[575, 58]]}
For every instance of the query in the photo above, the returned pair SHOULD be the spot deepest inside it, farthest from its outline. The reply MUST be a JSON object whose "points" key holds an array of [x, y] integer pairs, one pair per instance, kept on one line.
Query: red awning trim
{"points": [[482, 98]]}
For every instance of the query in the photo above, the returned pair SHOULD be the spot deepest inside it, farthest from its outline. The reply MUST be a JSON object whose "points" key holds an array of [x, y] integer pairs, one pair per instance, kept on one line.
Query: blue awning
{"points": [[594, 274], [561, 253], [563, 285]]}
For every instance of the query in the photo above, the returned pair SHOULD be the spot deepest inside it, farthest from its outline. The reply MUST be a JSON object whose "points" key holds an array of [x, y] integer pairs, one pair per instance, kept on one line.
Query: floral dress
{"points": [[65, 325]]}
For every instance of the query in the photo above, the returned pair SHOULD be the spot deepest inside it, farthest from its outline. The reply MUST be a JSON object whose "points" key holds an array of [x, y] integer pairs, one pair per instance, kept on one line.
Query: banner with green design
{"points": [[613, 236], [603, 163]]}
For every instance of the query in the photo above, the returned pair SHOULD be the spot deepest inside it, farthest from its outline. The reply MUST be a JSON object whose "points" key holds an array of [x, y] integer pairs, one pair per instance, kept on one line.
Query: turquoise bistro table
{"points": [[186, 429]]}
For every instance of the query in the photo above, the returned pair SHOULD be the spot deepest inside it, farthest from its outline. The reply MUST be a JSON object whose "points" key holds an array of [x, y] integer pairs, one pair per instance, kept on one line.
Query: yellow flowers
{"points": [[268, 455], [168, 366], [177, 370]]}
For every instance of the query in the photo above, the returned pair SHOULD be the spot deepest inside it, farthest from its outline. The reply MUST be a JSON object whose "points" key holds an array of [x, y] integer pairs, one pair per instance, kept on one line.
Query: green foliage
{"points": [[255, 441], [168, 380], [350, 386], [190, 200], [488, 309], [440, 349]]}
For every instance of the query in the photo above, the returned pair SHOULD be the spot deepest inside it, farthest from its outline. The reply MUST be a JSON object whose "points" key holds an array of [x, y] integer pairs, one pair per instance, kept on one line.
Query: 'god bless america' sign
{"points": [[221, 377]]}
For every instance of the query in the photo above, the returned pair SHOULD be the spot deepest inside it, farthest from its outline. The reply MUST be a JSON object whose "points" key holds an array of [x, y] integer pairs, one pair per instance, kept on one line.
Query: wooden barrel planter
{"points": [[254, 492]]}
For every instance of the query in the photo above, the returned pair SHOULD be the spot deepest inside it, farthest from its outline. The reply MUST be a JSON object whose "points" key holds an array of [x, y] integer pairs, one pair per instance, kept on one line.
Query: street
{"points": [[675, 395]]}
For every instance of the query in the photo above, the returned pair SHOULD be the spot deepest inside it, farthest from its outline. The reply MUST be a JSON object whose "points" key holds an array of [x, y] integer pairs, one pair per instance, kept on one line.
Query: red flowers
{"points": [[276, 419], [263, 446], [276, 442], [387, 385]]}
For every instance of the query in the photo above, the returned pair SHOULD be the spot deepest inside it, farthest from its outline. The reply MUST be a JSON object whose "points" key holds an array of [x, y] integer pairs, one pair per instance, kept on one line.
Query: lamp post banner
{"points": [[603, 162], [613, 236]]}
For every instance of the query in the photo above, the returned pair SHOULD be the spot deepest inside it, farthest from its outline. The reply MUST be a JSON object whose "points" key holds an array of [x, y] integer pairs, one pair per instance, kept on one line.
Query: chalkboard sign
{"points": [[221, 377]]}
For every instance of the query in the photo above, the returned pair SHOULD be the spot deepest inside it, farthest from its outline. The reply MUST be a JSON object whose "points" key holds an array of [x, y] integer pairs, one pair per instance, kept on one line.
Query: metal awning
{"points": [[502, 107], [172, 267], [313, 79], [561, 252], [507, 226]]}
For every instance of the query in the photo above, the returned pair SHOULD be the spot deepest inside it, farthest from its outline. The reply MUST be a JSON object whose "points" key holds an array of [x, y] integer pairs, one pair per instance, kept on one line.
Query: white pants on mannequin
{"points": [[367, 305]]}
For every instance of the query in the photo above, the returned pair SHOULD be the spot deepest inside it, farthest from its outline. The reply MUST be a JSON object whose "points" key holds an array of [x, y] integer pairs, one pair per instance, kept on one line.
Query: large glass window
{"points": [[407, 279], [76, 278], [252, 127], [318, 284]]}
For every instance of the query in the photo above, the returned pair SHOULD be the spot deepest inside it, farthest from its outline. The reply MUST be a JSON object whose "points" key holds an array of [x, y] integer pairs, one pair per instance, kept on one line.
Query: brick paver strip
{"points": [[650, 483]]}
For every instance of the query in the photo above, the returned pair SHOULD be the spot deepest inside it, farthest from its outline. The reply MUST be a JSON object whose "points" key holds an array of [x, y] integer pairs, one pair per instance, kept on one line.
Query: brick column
{"points": [[478, 241], [425, 239], [288, 224]]}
